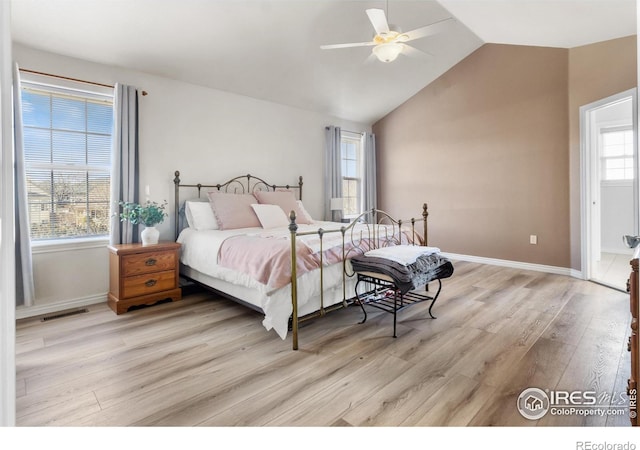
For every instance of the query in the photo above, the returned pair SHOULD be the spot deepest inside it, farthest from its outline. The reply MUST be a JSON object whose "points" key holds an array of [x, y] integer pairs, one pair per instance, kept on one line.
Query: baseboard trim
{"points": [[517, 265], [618, 251], [39, 310]]}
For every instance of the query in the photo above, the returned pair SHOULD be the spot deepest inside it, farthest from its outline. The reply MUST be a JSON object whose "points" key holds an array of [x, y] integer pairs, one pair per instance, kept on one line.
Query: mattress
{"points": [[200, 261]]}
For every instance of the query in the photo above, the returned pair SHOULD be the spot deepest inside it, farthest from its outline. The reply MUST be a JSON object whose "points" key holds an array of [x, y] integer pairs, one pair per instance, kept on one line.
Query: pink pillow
{"points": [[233, 210], [285, 200]]}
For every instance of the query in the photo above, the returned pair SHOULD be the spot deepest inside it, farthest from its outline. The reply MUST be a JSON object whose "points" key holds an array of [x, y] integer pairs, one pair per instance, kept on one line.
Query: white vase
{"points": [[150, 236]]}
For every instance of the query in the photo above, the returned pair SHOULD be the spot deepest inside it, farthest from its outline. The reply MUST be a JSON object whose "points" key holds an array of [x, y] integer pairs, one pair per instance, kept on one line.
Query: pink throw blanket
{"points": [[268, 259]]}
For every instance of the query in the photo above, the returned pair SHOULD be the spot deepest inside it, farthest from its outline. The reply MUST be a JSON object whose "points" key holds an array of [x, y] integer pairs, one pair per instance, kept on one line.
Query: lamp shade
{"points": [[336, 204], [387, 52]]}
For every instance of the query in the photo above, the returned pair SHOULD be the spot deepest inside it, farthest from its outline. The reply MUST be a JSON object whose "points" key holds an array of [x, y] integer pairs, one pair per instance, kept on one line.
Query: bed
{"points": [[238, 241]]}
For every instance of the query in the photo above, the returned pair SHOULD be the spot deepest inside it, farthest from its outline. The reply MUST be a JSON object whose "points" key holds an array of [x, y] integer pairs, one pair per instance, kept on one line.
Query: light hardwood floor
{"points": [[208, 361], [613, 269]]}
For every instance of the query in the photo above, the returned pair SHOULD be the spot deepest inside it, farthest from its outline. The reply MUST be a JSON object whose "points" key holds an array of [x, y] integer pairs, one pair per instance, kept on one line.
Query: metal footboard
{"points": [[372, 229]]}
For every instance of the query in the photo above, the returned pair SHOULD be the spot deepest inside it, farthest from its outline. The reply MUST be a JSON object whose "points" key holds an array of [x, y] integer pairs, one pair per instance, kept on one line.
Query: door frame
{"points": [[587, 166]]}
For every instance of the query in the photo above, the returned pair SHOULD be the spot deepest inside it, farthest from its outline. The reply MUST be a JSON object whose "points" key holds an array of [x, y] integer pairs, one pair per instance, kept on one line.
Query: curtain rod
{"points": [[348, 131], [71, 79]]}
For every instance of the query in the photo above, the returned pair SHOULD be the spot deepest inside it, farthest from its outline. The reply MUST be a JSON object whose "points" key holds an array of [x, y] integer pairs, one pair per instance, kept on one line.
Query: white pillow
{"points": [[285, 200], [200, 216], [270, 216]]}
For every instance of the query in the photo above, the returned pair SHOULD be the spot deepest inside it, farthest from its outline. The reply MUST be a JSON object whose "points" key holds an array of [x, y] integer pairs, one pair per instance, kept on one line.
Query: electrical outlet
{"points": [[533, 239]]}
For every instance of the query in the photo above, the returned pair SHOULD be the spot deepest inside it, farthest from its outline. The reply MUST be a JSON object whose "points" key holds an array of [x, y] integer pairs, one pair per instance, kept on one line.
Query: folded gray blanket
{"points": [[407, 278]]}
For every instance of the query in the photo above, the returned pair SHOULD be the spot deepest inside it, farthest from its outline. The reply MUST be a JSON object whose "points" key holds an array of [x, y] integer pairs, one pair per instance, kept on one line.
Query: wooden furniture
{"points": [[143, 275], [633, 347]]}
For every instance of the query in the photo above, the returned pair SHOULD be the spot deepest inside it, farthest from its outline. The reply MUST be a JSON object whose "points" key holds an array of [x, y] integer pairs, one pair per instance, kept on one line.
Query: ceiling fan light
{"points": [[387, 52]]}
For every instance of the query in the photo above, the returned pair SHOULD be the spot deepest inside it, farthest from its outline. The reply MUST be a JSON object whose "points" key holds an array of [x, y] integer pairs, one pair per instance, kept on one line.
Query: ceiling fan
{"points": [[389, 41]]}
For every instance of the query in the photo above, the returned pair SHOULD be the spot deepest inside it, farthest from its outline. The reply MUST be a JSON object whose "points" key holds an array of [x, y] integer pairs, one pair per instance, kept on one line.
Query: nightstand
{"points": [[143, 275]]}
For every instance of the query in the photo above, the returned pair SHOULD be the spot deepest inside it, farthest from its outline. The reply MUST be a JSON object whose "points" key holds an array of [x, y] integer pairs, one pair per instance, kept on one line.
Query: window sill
{"points": [[65, 245]]}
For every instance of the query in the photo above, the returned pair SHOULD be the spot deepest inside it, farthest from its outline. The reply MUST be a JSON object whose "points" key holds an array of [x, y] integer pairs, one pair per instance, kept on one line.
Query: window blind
{"points": [[67, 146]]}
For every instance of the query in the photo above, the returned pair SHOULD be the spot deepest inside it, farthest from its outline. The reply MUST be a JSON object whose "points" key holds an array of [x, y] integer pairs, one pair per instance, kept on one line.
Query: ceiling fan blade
{"points": [[429, 30], [413, 52], [378, 20], [355, 44]]}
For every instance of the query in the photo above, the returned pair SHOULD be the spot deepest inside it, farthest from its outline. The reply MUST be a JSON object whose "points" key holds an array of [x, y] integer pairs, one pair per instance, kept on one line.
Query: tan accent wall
{"points": [[596, 71], [485, 145], [493, 147]]}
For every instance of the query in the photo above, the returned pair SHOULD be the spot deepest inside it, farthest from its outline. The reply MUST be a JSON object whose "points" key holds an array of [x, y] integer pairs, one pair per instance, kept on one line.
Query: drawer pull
{"points": [[150, 262], [150, 283]]}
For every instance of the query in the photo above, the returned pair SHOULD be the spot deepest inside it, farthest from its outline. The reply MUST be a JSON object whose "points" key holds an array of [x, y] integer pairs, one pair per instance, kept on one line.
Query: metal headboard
{"points": [[242, 184]]}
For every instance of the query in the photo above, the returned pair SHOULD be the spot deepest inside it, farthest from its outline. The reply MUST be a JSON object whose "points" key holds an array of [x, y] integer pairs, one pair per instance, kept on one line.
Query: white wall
{"points": [[7, 259], [616, 216], [209, 135], [68, 276]]}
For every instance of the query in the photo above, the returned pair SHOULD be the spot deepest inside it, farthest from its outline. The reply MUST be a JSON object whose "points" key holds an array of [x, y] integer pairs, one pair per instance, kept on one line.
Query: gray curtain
{"points": [[332, 172], [370, 199], [124, 167], [25, 290]]}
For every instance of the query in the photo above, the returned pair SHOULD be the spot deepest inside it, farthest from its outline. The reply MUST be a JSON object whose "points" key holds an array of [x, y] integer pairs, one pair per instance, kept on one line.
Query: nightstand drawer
{"points": [[148, 283], [147, 263]]}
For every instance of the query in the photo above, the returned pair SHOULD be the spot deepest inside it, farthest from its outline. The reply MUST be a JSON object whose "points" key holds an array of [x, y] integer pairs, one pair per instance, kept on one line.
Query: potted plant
{"points": [[150, 214]]}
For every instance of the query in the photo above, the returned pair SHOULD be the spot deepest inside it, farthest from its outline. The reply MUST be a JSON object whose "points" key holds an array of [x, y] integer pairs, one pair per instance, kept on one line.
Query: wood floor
{"points": [[207, 361], [612, 269]]}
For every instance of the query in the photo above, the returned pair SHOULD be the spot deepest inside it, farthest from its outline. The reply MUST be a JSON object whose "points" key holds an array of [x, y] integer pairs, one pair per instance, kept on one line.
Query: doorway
{"points": [[610, 210]]}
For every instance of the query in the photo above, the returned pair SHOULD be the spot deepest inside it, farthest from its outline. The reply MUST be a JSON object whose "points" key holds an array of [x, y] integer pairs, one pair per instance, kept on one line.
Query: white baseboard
{"points": [[517, 265], [618, 251], [38, 310]]}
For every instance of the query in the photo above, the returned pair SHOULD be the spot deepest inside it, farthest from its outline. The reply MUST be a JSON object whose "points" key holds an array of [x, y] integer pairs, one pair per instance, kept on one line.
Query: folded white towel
{"points": [[403, 254]]}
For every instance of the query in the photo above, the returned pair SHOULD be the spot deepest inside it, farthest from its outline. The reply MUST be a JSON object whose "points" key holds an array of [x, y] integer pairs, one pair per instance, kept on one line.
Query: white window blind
{"points": [[67, 140], [351, 152]]}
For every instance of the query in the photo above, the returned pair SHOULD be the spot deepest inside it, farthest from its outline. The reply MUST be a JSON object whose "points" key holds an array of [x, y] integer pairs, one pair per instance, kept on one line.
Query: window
{"points": [[617, 154], [67, 146], [351, 151]]}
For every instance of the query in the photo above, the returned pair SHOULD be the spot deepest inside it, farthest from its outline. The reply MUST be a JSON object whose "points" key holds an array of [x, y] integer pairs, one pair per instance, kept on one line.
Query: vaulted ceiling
{"points": [[270, 49]]}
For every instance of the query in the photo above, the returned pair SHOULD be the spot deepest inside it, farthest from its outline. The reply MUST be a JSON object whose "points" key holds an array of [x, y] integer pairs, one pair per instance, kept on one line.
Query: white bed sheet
{"points": [[200, 252]]}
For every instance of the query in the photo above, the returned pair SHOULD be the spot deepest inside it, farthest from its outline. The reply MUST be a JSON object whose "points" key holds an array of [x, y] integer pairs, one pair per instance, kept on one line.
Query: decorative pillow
{"points": [[304, 212], [200, 215], [233, 210], [285, 200], [270, 216]]}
